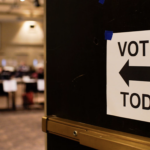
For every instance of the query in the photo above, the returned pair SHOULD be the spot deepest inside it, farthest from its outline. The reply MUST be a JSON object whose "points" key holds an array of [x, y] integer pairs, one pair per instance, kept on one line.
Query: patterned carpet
{"points": [[21, 130]]}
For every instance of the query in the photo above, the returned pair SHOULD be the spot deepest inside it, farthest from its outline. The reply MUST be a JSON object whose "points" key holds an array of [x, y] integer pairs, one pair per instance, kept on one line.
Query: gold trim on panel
{"points": [[45, 62], [44, 124], [45, 59], [106, 142], [94, 137], [65, 130]]}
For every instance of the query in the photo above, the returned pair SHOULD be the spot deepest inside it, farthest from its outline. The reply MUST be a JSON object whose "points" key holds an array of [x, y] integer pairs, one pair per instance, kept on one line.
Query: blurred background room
{"points": [[21, 74]]}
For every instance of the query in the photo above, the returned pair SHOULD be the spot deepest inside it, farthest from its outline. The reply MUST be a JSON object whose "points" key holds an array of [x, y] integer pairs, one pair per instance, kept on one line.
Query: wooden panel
{"points": [[76, 65]]}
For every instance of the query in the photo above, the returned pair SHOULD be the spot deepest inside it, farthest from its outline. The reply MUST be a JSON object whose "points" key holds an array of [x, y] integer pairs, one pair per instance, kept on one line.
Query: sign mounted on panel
{"points": [[128, 75]]}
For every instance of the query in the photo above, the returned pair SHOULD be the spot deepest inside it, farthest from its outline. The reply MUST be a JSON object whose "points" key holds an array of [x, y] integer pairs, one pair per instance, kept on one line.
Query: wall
{"points": [[19, 42]]}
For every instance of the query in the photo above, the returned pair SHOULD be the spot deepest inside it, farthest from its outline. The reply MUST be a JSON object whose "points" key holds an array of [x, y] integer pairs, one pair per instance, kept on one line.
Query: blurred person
{"points": [[22, 70], [7, 72], [40, 71], [32, 87], [39, 74], [1, 70]]}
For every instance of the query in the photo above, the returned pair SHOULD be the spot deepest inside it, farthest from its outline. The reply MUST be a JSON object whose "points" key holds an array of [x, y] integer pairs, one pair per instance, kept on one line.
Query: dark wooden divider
{"points": [[76, 61]]}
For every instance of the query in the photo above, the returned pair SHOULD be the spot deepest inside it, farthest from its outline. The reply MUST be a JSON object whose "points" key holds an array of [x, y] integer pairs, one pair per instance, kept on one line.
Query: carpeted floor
{"points": [[21, 130]]}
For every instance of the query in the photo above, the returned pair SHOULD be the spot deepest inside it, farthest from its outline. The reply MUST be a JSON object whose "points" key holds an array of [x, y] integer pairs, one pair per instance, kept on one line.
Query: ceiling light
{"points": [[22, 0], [36, 3], [32, 26]]}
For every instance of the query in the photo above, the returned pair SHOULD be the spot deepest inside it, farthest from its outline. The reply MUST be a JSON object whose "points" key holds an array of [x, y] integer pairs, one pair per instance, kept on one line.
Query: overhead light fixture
{"points": [[32, 26], [22, 0], [36, 3]]}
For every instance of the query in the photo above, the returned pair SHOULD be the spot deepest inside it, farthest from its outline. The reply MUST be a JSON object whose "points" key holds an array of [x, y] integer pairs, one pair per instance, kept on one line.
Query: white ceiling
{"points": [[15, 10]]}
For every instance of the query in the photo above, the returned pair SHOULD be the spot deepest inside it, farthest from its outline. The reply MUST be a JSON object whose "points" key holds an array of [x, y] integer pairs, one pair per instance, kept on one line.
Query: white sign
{"points": [[40, 85], [128, 75], [10, 85]]}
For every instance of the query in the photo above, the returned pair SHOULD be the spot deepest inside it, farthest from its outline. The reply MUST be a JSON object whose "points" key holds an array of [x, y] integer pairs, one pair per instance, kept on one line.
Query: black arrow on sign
{"points": [[135, 73]]}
